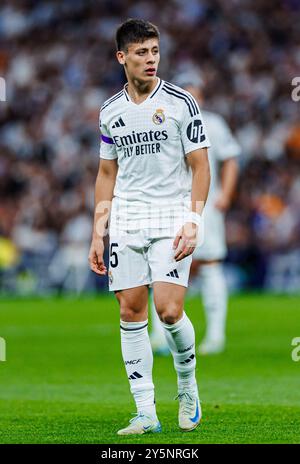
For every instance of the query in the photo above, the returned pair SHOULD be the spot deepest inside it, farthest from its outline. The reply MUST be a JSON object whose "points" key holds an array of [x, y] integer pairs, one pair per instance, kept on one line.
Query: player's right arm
{"points": [[104, 189]]}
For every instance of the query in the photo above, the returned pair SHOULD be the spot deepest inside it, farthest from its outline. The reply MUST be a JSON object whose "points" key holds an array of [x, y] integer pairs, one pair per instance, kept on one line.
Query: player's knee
{"points": [[133, 305], [169, 313], [170, 319], [129, 313]]}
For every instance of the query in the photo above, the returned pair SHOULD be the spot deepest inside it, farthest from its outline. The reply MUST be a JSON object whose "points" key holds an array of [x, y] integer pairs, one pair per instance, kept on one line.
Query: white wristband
{"points": [[193, 217]]}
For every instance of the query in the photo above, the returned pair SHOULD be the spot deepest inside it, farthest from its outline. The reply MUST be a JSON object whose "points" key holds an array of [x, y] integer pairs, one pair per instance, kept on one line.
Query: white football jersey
{"points": [[150, 141], [223, 146]]}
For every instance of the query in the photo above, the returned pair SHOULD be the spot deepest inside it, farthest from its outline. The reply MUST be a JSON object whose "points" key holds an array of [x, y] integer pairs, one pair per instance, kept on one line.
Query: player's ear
{"points": [[120, 57]]}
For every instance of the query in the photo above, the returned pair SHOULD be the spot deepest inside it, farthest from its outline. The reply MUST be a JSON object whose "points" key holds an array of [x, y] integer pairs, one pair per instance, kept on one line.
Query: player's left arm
{"points": [[186, 239], [229, 176]]}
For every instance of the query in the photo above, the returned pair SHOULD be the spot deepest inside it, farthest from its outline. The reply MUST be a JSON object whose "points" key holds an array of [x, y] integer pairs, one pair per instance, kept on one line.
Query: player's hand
{"points": [[222, 203], [96, 257], [185, 241]]}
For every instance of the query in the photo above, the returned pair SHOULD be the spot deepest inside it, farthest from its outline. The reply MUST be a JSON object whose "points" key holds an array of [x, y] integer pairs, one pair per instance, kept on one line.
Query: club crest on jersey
{"points": [[110, 276], [158, 117]]}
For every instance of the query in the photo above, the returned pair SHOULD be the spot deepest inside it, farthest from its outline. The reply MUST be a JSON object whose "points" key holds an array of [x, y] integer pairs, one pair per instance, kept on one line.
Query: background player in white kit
{"points": [[207, 268], [154, 167]]}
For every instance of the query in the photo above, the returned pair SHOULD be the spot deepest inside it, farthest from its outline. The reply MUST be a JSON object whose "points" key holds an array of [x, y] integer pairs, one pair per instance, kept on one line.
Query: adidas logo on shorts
{"points": [[173, 274]]}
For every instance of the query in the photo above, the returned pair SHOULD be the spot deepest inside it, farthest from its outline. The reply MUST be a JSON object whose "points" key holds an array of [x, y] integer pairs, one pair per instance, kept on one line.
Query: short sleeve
{"points": [[107, 144], [192, 127], [225, 145]]}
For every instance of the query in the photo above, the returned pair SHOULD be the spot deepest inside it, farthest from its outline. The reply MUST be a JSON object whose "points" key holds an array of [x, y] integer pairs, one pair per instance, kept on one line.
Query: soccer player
{"points": [[207, 259], [153, 180]]}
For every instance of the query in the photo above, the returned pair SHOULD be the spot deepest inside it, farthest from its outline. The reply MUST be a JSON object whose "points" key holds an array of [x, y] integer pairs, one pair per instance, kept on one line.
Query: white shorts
{"points": [[214, 244], [142, 257]]}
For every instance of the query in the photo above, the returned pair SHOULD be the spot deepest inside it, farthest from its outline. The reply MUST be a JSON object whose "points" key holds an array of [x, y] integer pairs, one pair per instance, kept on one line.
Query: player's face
{"points": [[141, 60]]}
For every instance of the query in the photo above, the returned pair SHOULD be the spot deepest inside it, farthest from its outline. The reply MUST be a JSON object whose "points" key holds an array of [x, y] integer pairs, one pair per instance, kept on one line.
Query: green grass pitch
{"points": [[64, 381]]}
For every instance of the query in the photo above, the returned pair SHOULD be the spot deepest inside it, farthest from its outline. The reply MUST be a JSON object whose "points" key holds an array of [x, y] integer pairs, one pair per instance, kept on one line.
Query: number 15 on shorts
{"points": [[113, 257]]}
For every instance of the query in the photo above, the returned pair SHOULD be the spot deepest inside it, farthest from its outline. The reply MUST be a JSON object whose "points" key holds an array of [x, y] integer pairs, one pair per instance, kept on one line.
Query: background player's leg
{"points": [[136, 348], [158, 339], [214, 295]]}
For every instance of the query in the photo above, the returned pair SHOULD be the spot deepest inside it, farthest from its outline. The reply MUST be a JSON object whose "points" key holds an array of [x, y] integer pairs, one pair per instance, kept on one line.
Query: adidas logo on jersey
{"points": [[173, 274], [118, 123]]}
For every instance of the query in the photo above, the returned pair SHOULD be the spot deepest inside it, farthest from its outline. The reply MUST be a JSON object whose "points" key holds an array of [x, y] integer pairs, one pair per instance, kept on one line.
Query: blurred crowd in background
{"points": [[58, 60]]}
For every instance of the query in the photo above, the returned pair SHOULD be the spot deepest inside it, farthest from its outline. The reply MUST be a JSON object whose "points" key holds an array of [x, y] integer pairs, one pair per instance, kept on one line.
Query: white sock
{"points": [[138, 360], [181, 340], [214, 294], [157, 330]]}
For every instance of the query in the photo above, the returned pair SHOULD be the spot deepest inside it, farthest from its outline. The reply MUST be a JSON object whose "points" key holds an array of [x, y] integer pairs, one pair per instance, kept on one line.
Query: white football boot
{"points": [[189, 415], [141, 424], [211, 346]]}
